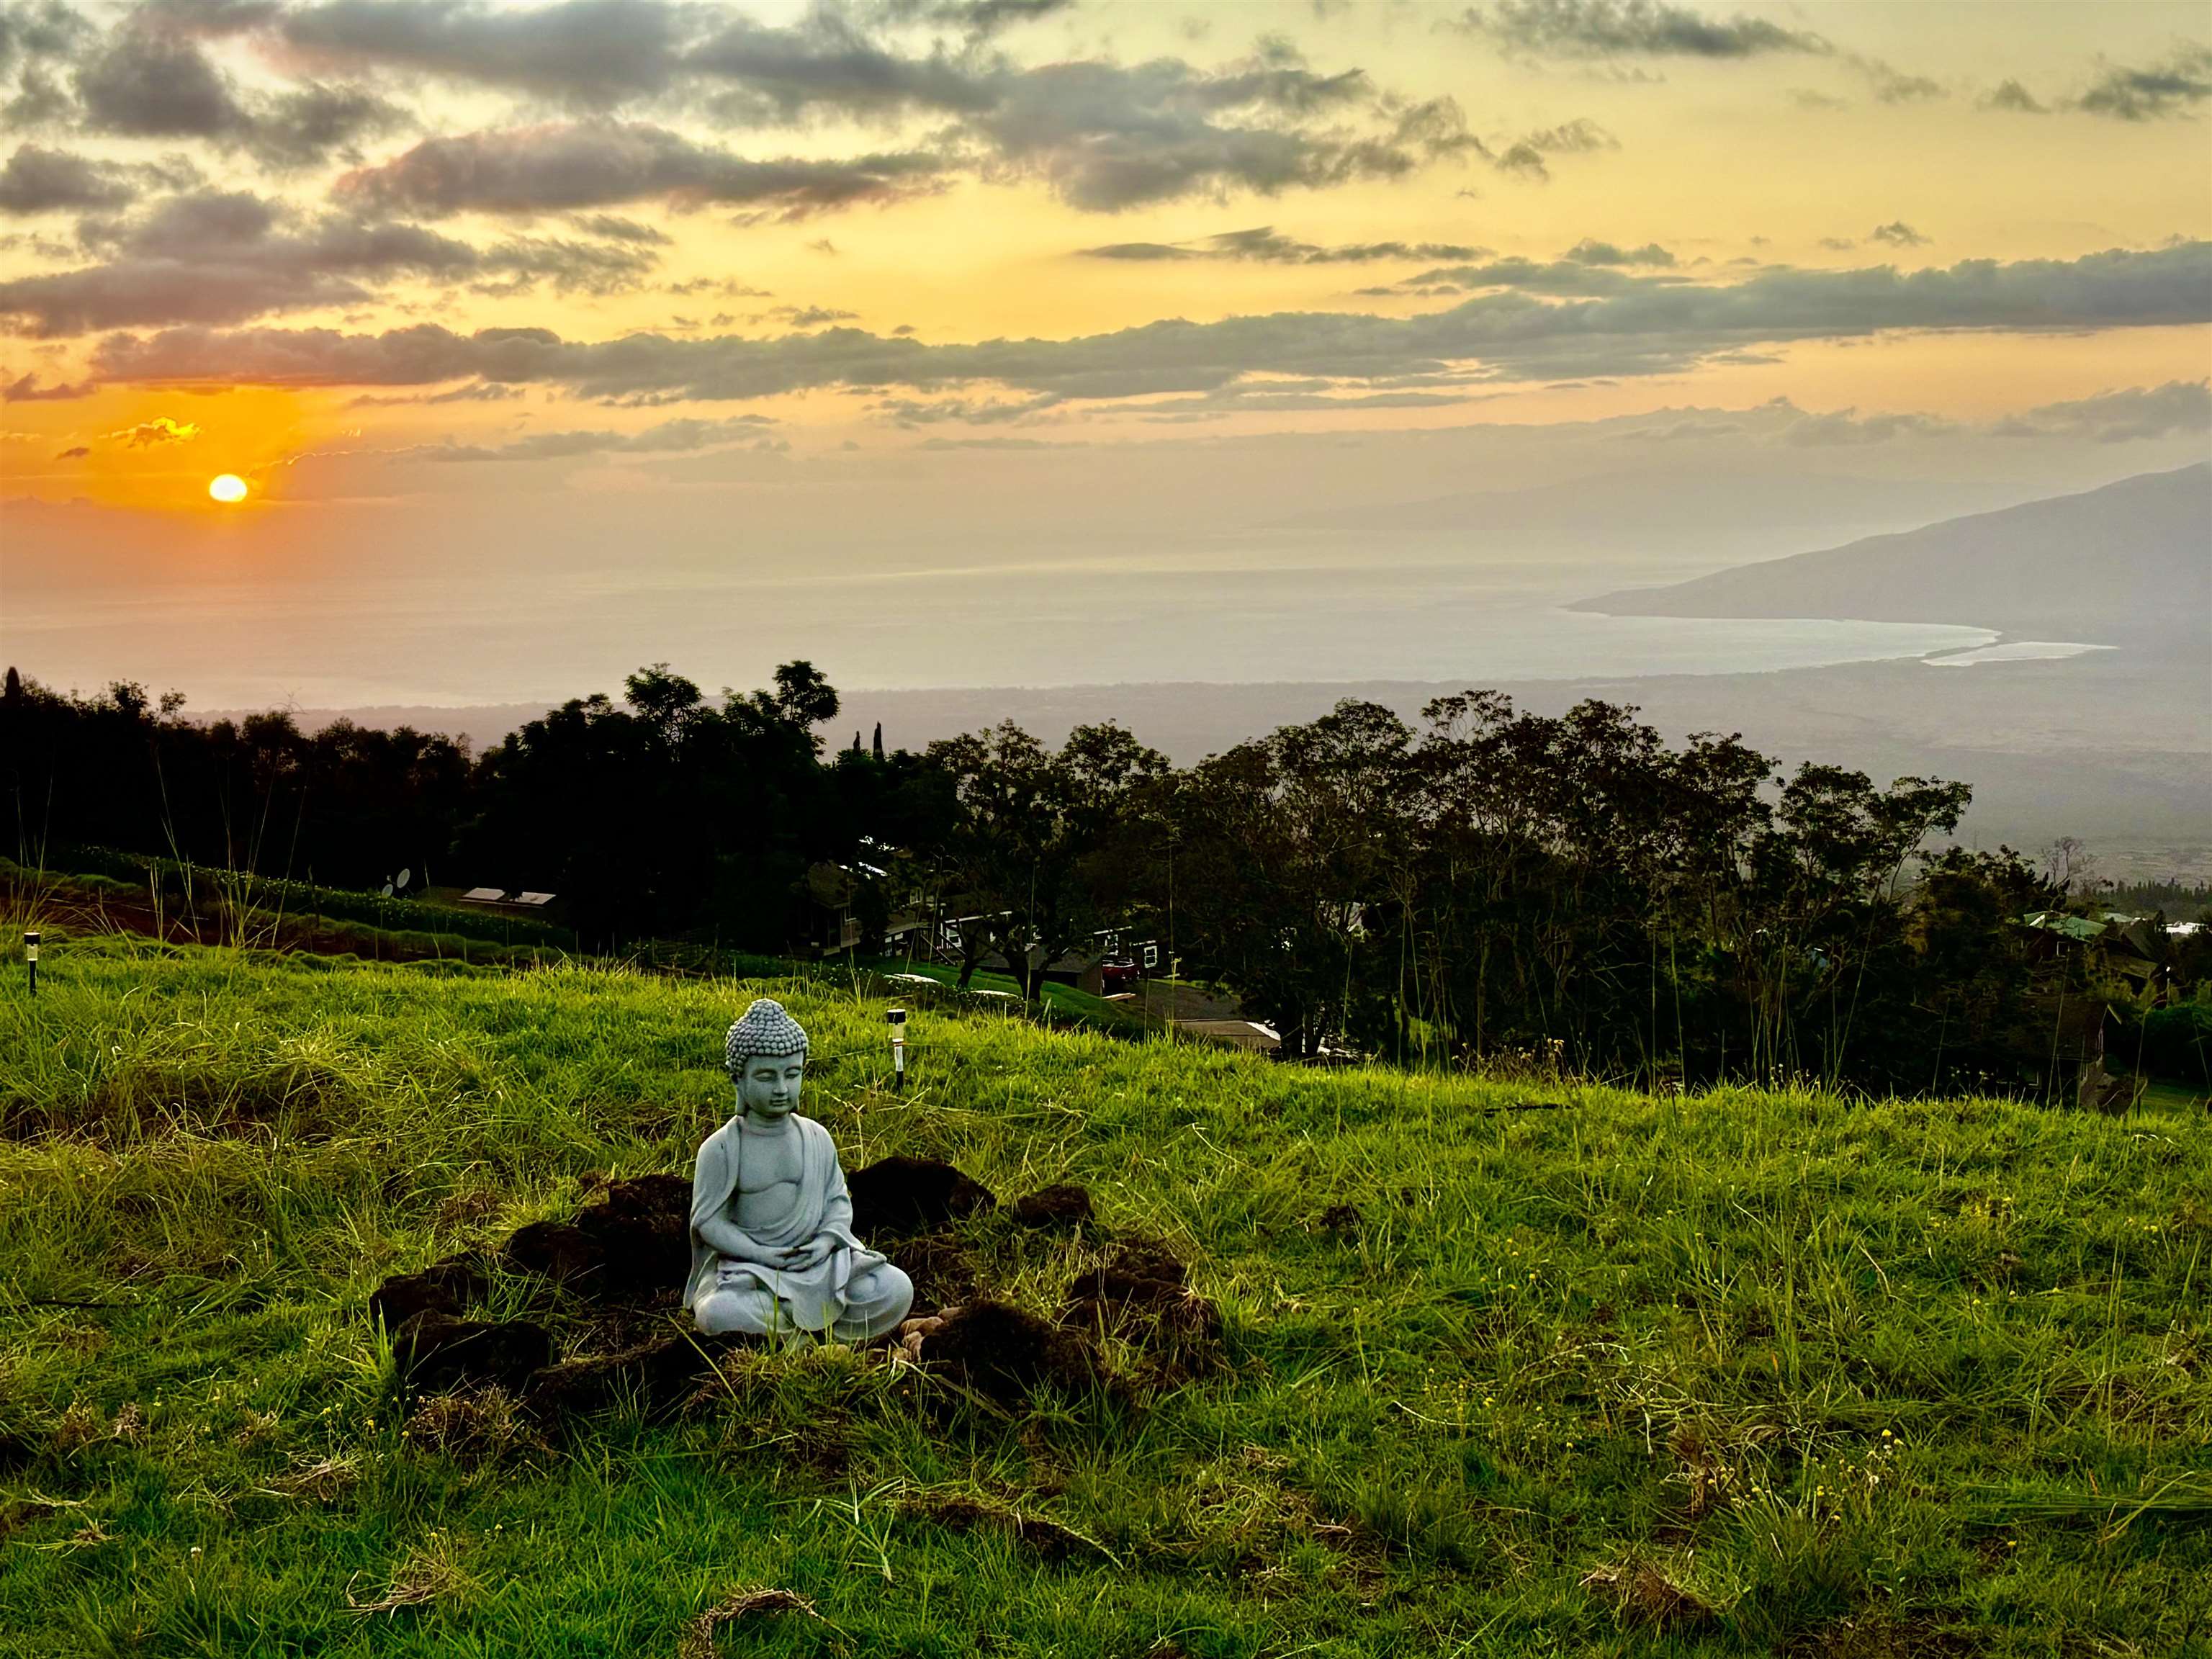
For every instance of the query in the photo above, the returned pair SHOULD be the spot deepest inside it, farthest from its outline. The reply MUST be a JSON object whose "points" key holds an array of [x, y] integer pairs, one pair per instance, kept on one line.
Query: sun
{"points": [[228, 487]]}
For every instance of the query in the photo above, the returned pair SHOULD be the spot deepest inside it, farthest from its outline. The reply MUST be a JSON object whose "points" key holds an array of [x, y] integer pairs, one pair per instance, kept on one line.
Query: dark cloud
{"points": [[609, 227], [1891, 85], [1568, 277], [592, 51], [2010, 95], [568, 166], [25, 389], [2178, 406], [1589, 253], [981, 17], [76, 452], [1263, 245], [313, 123], [219, 257], [1643, 326], [477, 392], [807, 316], [40, 180], [1524, 157], [1631, 29], [34, 33], [150, 78], [148, 82], [2173, 87], [1107, 136], [1898, 234]]}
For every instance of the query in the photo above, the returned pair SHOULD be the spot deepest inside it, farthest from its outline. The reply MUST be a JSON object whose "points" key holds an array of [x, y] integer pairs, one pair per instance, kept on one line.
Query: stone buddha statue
{"points": [[773, 1252]]}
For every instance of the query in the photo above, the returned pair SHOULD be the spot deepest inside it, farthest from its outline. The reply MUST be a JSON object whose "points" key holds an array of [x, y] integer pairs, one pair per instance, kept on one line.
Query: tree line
{"points": [[1569, 891]]}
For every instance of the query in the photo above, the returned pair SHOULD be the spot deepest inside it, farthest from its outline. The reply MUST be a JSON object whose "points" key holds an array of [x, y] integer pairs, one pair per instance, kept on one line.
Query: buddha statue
{"points": [[773, 1252]]}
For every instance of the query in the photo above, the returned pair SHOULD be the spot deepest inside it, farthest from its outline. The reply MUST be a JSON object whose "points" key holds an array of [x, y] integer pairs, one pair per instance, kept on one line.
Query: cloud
{"points": [[148, 434], [1263, 245], [76, 452], [1524, 157], [1891, 85], [480, 392], [1568, 277], [570, 166], [2183, 406], [25, 389], [588, 51], [2171, 88], [2010, 95], [1626, 325], [1898, 234], [148, 82], [807, 316], [1589, 253], [151, 79], [1631, 29], [1105, 136], [41, 181], [670, 437], [215, 257], [610, 227], [1848, 426]]}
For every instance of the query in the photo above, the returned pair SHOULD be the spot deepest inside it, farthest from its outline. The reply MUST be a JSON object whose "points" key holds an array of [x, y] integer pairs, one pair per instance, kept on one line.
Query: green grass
{"points": [[1732, 1374]]}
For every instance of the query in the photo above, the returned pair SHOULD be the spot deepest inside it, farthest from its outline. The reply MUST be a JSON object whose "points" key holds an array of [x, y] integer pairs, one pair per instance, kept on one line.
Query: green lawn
{"points": [[1733, 1374]]}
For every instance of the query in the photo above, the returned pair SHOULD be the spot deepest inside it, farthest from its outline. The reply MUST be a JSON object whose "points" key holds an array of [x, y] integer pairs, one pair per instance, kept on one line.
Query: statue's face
{"points": [[768, 1086]]}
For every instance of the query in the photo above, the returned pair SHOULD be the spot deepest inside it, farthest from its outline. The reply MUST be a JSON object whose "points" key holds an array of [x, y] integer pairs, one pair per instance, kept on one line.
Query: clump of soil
{"points": [[1340, 1220], [446, 1287], [474, 1429], [661, 1374], [1644, 1594], [439, 1354], [632, 1244], [1064, 1204], [900, 1197], [1001, 1352], [1141, 1294]]}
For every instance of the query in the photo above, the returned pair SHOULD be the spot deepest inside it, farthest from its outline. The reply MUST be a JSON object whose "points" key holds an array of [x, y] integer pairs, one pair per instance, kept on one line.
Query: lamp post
{"points": [[31, 958], [895, 1019]]}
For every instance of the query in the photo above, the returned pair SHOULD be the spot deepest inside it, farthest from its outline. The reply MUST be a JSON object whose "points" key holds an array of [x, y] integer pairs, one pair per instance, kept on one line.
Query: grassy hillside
{"points": [[1731, 1373]]}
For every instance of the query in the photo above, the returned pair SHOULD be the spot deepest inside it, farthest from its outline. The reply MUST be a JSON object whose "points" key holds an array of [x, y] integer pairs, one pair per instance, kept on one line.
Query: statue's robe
{"points": [[854, 1294]]}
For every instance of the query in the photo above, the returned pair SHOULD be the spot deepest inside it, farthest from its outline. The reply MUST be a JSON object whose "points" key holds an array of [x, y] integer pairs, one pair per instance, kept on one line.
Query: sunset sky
{"points": [[520, 315]]}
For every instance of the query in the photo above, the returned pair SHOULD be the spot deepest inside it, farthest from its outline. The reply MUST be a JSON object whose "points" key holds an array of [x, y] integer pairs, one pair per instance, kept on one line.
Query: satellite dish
{"points": [[387, 889], [399, 882]]}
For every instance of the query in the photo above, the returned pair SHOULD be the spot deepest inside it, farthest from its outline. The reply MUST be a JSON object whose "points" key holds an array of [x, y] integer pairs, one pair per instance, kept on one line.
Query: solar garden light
{"points": [[31, 957], [895, 1019]]}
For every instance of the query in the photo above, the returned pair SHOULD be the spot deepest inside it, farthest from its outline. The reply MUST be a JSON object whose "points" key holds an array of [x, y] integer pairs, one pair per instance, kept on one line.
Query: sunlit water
{"points": [[556, 634]]}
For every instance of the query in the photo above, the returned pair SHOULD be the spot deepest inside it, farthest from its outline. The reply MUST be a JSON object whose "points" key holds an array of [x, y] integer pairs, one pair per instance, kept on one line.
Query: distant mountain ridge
{"points": [[2129, 563]]}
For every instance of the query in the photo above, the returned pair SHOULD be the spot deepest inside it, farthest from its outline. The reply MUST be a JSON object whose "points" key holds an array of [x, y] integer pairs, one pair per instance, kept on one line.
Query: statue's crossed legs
{"points": [[876, 1299]]}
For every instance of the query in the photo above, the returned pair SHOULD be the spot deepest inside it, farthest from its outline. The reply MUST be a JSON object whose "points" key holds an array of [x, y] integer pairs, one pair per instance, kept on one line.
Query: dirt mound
{"points": [[438, 1353], [1064, 1204], [446, 1287], [632, 1244], [1002, 1353], [1141, 1294], [900, 1197], [661, 1374]]}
